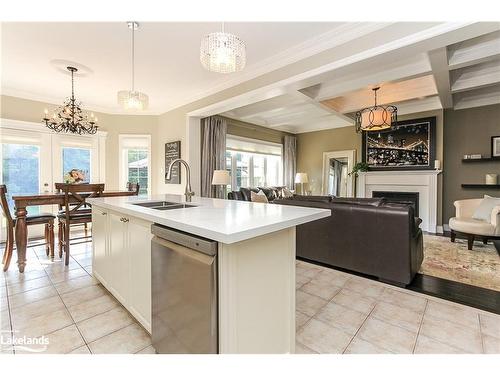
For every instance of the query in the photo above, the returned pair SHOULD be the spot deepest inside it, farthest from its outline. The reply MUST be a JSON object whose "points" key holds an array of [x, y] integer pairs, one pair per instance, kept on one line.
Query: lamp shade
{"points": [[221, 177], [301, 178]]}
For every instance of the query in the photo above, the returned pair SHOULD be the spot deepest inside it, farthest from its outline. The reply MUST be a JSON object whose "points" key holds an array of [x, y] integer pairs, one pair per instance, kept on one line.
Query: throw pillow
{"points": [[287, 193], [483, 211], [259, 197]]}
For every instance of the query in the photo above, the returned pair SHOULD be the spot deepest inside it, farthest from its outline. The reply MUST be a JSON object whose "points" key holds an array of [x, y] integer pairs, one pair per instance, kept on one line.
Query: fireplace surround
{"points": [[423, 182]]}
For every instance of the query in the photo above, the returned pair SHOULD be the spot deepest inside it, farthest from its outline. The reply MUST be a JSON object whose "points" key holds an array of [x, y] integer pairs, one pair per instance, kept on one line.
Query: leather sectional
{"points": [[365, 235]]}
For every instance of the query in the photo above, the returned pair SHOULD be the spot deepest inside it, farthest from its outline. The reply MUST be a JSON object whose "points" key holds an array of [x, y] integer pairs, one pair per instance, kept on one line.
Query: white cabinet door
{"points": [[100, 262], [139, 251], [118, 260]]}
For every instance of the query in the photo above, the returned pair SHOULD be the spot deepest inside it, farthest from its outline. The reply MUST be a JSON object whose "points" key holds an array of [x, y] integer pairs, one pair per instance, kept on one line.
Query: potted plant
{"points": [[359, 167]]}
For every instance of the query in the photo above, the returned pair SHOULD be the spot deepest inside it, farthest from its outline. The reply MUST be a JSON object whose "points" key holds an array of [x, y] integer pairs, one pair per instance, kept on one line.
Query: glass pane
{"points": [[21, 171], [259, 175], [137, 168], [242, 169], [76, 165], [273, 170]]}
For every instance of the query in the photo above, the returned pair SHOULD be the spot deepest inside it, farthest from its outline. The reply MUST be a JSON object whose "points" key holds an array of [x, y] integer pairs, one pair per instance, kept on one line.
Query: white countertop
{"points": [[225, 221]]}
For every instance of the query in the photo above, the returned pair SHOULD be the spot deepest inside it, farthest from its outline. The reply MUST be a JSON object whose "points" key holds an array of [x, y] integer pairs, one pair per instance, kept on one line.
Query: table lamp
{"points": [[301, 178], [221, 177]]}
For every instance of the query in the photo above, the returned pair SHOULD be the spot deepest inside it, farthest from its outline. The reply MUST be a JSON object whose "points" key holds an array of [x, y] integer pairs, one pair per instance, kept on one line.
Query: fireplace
{"points": [[399, 197]]}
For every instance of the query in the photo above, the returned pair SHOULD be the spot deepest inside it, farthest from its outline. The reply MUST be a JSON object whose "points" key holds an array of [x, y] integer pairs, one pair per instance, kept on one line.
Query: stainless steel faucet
{"points": [[188, 192]]}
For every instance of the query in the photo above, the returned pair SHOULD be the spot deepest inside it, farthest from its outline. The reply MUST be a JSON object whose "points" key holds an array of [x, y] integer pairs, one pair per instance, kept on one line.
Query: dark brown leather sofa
{"points": [[366, 235]]}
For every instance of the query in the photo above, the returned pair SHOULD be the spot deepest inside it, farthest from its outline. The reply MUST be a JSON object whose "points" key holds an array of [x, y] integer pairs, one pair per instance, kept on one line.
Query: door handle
{"points": [[103, 213], [124, 219]]}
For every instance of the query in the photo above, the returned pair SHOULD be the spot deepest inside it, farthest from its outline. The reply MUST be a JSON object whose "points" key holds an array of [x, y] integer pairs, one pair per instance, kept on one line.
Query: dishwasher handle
{"points": [[196, 243]]}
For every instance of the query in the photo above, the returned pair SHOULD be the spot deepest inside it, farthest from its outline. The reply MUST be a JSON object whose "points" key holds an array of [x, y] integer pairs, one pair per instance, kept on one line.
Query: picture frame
{"points": [[172, 152], [495, 147], [392, 149]]}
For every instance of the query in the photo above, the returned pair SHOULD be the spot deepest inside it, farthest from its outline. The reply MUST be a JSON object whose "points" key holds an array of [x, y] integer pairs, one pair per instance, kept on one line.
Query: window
{"points": [[76, 159], [21, 171], [253, 163], [135, 161]]}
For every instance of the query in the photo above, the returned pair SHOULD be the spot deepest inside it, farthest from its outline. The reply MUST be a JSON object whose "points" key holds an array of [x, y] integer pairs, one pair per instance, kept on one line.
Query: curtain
{"points": [[213, 154], [289, 160]]}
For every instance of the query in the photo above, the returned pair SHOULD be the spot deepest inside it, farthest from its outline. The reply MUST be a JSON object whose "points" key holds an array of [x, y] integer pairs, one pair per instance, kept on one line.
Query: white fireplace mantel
{"points": [[423, 182]]}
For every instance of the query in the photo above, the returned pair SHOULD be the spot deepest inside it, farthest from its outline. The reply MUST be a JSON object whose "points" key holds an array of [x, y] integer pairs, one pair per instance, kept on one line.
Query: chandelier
{"points": [[378, 117], [131, 99], [222, 52], [70, 118]]}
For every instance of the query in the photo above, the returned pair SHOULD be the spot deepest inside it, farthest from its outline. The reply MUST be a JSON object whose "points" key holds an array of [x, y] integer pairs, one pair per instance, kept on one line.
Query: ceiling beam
{"points": [[477, 98], [473, 51], [475, 76], [439, 63]]}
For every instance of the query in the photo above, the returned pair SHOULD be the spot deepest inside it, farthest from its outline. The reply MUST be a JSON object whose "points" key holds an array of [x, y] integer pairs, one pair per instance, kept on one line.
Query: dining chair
{"points": [[76, 211], [133, 186], [46, 219]]}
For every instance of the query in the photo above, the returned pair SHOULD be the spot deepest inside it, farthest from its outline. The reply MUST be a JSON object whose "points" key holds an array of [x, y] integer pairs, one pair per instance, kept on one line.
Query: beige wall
{"points": [[248, 130], [310, 148], [468, 131], [31, 111]]}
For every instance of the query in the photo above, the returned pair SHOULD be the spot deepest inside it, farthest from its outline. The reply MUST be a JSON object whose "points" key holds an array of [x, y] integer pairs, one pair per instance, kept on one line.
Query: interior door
{"points": [[26, 168]]}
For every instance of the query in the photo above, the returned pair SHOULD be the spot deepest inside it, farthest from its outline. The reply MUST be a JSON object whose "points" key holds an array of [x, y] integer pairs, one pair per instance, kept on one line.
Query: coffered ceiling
{"points": [[456, 72]]}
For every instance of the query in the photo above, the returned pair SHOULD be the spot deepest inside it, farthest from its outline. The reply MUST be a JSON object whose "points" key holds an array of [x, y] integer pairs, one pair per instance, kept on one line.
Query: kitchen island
{"points": [[255, 262]]}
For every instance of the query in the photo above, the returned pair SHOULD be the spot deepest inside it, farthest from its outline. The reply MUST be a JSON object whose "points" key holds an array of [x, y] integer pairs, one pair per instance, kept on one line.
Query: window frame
{"points": [[251, 164]]}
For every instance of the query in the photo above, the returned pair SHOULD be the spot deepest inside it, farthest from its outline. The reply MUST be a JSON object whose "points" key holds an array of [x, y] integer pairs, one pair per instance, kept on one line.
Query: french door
{"points": [[33, 161]]}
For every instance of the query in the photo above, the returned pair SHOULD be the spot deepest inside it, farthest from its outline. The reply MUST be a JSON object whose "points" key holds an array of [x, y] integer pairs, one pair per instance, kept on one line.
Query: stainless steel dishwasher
{"points": [[184, 292]]}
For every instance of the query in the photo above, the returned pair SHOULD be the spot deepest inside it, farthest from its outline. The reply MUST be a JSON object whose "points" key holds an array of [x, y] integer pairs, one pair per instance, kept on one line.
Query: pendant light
{"points": [[376, 118], [223, 52], [132, 99]]}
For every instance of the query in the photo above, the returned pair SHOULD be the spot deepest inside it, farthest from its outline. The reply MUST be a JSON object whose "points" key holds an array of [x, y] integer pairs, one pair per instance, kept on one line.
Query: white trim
{"points": [[351, 159], [121, 161], [439, 229]]}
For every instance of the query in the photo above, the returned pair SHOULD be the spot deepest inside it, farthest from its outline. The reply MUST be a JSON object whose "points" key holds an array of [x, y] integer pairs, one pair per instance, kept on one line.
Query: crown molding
{"points": [[7, 123]]}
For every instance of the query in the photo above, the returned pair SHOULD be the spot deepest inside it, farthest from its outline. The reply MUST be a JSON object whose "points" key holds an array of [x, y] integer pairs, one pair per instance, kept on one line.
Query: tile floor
{"points": [[336, 313], [342, 313]]}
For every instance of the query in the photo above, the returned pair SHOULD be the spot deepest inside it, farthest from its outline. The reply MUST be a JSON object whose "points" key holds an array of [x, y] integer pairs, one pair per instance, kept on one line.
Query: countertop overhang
{"points": [[226, 221]]}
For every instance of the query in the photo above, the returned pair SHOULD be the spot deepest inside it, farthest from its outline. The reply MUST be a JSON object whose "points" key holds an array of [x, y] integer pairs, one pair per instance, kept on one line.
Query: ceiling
{"points": [[167, 58], [462, 74]]}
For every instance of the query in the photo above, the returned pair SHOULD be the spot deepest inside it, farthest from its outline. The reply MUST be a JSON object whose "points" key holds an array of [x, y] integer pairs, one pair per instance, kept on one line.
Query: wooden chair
{"points": [[75, 212], [133, 186], [43, 218]]}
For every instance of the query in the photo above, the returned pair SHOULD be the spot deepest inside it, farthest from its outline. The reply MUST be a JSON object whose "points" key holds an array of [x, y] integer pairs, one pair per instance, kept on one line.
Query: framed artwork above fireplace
{"points": [[408, 145]]}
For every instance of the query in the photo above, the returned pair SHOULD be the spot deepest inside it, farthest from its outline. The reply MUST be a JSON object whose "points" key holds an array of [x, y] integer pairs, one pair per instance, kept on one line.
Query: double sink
{"points": [[163, 205]]}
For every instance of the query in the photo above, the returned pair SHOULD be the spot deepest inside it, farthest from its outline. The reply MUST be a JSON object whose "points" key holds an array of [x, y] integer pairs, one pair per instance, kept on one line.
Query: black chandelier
{"points": [[70, 118], [376, 118]]}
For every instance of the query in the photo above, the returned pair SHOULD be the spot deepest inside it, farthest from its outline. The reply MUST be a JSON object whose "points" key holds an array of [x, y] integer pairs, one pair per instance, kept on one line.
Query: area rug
{"points": [[453, 261]]}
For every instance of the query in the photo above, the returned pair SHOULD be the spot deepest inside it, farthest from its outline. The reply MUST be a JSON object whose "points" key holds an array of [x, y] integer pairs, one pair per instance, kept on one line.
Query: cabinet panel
{"points": [[100, 262], [139, 250], [118, 260]]}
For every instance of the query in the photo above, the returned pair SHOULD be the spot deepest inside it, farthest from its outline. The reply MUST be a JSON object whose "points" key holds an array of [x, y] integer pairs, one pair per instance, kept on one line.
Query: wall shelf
{"points": [[480, 160], [480, 186]]}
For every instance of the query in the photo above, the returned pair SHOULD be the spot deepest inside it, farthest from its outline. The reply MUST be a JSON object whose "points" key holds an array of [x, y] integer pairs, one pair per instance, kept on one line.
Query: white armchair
{"points": [[463, 223]]}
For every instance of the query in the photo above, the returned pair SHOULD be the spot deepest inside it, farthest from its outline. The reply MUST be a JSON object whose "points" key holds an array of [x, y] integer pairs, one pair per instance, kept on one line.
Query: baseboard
{"points": [[440, 229]]}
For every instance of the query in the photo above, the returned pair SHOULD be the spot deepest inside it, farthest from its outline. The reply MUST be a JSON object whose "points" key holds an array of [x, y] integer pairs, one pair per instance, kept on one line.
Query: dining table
{"points": [[21, 202]]}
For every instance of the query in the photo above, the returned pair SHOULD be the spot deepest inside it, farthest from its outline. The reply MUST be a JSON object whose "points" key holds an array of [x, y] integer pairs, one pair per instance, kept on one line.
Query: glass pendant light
{"points": [[132, 99], [223, 52]]}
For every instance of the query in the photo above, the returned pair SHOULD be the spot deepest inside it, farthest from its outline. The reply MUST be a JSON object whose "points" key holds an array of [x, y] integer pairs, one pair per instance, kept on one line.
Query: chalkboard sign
{"points": [[172, 152]]}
